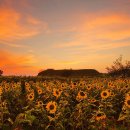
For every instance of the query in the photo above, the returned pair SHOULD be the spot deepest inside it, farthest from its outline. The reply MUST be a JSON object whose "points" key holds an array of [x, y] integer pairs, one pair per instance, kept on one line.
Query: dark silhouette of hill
{"points": [[69, 73]]}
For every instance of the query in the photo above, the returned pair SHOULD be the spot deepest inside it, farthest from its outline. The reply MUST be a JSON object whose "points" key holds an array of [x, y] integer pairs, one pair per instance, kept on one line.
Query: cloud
{"points": [[12, 44], [11, 26], [100, 32], [16, 25], [12, 63]]}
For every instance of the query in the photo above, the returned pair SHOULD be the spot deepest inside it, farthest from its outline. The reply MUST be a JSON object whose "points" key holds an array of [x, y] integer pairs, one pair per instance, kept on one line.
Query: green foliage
{"points": [[79, 104]]}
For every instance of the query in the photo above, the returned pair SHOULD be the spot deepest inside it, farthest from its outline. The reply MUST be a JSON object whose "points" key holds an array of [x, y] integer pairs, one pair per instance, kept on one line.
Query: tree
{"points": [[1, 72], [119, 68]]}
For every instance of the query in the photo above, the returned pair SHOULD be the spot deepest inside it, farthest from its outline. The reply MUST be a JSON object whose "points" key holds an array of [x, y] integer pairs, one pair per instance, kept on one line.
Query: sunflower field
{"points": [[83, 104]]}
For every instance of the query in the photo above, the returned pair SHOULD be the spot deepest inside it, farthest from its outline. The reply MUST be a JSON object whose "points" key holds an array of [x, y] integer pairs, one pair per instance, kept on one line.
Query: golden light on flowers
{"points": [[1, 90], [39, 90], [89, 87], [14, 86], [126, 87], [73, 85], [112, 94], [51, 107], [100, 116], [39, 104], [105, 94], [127, 102], [63, 86], [27, 84], [92, 100], [127, 95], [56, 93], [44, 84], [81, 95], [30, 96], [7, 87], [28, 88]]}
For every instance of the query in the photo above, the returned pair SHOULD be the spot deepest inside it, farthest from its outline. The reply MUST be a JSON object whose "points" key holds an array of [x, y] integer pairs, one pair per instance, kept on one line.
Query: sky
{"points": [[61, 34]]}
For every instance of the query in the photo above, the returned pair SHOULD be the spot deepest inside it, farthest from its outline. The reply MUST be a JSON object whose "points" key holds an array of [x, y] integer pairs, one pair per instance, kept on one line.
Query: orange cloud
{"points": [[12, 63], [97, 32], [14, 25], [108, 26], [94, 21]]}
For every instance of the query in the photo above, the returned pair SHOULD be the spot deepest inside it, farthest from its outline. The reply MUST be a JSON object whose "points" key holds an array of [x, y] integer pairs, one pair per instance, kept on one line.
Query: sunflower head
{"points": [[89, 87], [30, 96], [51, 107], [81, 95], [14, 86], [100, 116], [1, 90], [7, 87], [39, 90], [28, 88], [27, 84], [92, 100], [126, 86], [56, 93], [73, 85], [39, 104], [127, 102], [105, 94]]}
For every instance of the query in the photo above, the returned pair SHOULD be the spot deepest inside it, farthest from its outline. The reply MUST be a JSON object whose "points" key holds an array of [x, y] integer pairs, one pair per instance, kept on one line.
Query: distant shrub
{"points": [[1, 72], [119, 68]]}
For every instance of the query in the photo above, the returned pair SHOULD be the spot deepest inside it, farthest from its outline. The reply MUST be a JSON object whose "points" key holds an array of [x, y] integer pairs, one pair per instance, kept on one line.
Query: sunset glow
{"points": [[62, 34]]}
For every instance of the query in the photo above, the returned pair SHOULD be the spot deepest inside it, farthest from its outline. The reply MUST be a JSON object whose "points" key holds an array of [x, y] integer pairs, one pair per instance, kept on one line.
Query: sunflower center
{"points": [[128, 102], [30, 96], [104, 94], [99, 114], [51, 107], [57, 92], [82, 94], [74, 83], [40, 103]]}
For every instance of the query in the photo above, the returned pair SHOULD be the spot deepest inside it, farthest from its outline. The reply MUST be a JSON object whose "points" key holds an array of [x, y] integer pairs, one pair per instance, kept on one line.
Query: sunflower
{"points": [[56, 93], [1, 90], [62, 86], [101, 87], [105, 94], [39, 90], [89, 87], [127, 102], [44, 83], [73, 85], [14, 86], [30, 96], [81, 95], [109, 84], [112, 94], [7, 87], [92, 100], [100, 116], [27, 84], [39, 104], [51, 107], [126, 86], [28, 88], [127, 94]]}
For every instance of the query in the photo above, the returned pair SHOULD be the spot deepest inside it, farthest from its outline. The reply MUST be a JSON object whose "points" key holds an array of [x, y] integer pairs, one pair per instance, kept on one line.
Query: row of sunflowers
{"points": [[84, 104]]}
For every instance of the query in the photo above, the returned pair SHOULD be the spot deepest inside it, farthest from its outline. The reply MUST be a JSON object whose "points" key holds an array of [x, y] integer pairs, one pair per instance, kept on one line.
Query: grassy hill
{"points": [[69, 73]]}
